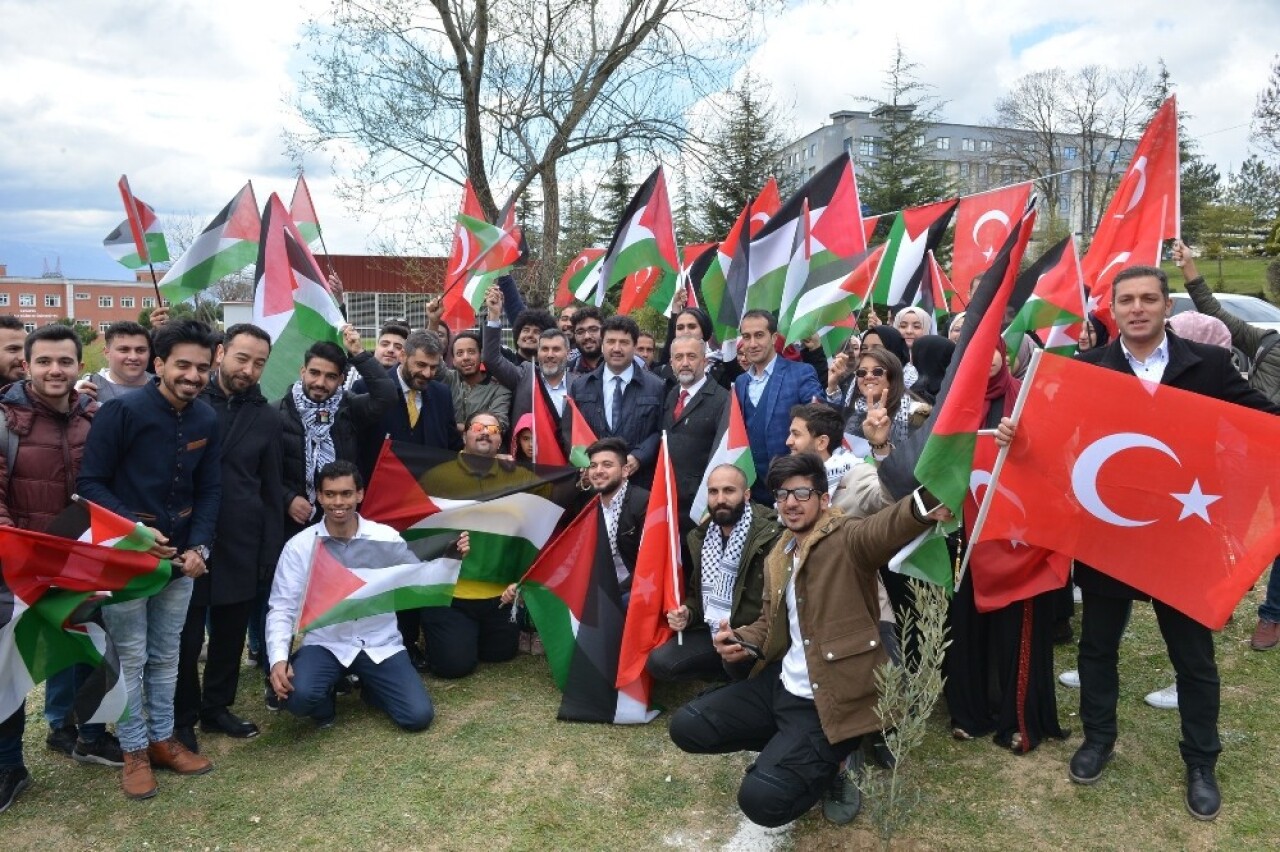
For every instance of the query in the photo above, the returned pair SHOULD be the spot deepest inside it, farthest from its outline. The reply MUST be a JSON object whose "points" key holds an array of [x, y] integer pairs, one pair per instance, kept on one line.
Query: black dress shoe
{"points": [[1203, 799], [416, 657], [1089, 761], [230, 724], [186, 734]]}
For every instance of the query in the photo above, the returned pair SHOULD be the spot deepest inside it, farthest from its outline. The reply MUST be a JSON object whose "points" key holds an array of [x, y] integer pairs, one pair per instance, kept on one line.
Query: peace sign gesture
{"points": [[875, 427]]}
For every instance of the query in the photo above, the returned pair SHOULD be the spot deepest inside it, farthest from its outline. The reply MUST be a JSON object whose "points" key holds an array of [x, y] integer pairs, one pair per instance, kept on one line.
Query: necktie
{"points": [[615, 419], [411, 400], [684, 397]]}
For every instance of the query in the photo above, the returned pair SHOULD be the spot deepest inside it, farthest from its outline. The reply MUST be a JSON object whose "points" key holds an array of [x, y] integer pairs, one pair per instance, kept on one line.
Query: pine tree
{"points": [[618, 188], [742, 153], [687, 230], [903, 175], [579, 228]]}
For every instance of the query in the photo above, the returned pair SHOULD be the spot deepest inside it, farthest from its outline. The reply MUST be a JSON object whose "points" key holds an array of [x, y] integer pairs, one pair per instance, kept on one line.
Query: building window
{"points": [[964, 170], [106, 301], [52, 301], [1064, 206], [1006, 174], [83, 323], [126, 301], [82, 297], [984, 145], [4, 300], [870, 164], [848, 145], [1070, 152], [982, 171], [867, 146], [29, 327], [103, 326], [919, 141], [26, 300], [944, 143], [148, 301], [966, 145], [813, 150]]}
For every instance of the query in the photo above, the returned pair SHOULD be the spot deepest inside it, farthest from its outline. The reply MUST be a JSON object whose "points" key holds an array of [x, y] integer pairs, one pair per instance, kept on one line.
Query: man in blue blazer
{"points": [[766, 392]]}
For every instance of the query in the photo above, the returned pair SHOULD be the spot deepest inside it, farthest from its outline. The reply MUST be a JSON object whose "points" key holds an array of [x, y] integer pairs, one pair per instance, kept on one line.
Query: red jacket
{"points": [[50, 448]]}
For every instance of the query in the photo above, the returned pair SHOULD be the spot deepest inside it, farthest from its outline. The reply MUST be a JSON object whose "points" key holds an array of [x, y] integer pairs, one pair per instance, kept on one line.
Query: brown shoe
{"points": [[174, 756], [136, 780], [1265, 636]]}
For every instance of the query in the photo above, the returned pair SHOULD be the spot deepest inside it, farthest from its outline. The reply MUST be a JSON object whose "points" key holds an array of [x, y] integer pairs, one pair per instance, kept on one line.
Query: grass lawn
{"points": [[1244, 275], [497, 771]]}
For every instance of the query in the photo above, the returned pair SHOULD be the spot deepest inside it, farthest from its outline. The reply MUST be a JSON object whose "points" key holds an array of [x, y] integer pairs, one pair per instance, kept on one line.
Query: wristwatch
{"points": [[201, 551]]}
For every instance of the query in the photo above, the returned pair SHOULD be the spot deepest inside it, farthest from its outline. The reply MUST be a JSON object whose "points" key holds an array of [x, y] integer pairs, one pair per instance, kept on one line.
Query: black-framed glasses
{"points": [[863, 372], [802, 494]]}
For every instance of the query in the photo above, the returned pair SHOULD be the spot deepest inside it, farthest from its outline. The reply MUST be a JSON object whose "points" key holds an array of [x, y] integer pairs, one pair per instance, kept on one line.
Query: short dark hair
{"points": [[646, 334], [327, 350], [396, 327], [11, 322], [581, 315], [821, 419], [177, 332], [337, 470], [533, 316], [808, 465], [124, 328], [484, 412], [1141, 272], [53, 333], [466, 335], [610, 445], [426, 342], [249, 329], [625, 324], [761, 313], [555, 331]]}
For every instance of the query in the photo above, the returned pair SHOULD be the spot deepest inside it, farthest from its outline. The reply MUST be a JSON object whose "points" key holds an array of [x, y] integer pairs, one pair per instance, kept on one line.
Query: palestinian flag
{"points": [[303, 212], [926, 557], [227, 244], [580, 435], [828, 305], [916, 231], [656, 586], [496, 251], [546, 426], [430, 496], [946, 459], [365, 578], [1056, 302], [724, 303], [573, 597], [835, 232], [120, 243], [645, 238], [932, 294], [732, 447], [50, 589], [581, 280], [292, 301]]}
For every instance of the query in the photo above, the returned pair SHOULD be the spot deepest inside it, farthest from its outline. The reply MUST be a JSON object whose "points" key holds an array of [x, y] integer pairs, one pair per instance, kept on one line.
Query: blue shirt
{"points": [[755, 385]]}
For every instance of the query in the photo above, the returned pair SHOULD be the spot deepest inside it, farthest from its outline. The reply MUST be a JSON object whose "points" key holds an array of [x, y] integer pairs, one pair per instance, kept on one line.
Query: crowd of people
{"points": [[789, 606]]}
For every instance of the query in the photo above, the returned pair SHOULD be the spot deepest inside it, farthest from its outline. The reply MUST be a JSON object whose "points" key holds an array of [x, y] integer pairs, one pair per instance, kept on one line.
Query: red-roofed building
{"points": [[380, 288]]}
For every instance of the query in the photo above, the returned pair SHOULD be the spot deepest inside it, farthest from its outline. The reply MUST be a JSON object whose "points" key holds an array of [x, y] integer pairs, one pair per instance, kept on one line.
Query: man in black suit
{"points": [[622, 504], [622, 400], [1141, 304], [549, 365]]}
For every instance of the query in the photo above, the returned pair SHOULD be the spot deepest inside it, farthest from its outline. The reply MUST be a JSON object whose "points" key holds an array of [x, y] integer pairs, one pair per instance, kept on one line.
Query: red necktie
{"points": [[684, 396]]}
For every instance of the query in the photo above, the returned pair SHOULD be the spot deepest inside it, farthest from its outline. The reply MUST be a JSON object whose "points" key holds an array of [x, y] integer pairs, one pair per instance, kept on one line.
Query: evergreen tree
{"points": [[742, 153], [618, 187], [579, 227], [1255, 187], [687, 230], [903, 175], [1201, 184]]}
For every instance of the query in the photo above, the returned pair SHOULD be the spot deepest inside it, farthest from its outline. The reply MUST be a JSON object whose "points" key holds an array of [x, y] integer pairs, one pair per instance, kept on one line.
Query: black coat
{"points": [[691, 439], [1194, 367], [251, 516], [436, 427], [630, 527], [642, 399]]}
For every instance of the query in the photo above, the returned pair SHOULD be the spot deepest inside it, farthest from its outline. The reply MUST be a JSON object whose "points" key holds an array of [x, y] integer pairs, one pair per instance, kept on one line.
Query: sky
{"points": [[191, 99]]}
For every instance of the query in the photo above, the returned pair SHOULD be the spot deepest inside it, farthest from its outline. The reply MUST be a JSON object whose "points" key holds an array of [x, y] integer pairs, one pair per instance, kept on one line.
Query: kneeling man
{"points": [[368, 647]]}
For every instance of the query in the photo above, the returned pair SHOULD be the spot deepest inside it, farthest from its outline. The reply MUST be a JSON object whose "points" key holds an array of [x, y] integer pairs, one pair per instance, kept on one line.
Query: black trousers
{"points": [[796, 763], [227, 625], [696, 659], [466, 633], [1190, 648]]}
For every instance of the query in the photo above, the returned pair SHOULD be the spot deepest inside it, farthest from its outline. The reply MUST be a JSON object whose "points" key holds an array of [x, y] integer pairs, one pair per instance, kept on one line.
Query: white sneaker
{"points": [[1164, 699], [1077, 595], [1070, 679]]}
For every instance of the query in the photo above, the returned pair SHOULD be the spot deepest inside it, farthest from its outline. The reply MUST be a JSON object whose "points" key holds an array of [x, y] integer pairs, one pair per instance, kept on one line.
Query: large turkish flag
{"points": [[1174, 493]]}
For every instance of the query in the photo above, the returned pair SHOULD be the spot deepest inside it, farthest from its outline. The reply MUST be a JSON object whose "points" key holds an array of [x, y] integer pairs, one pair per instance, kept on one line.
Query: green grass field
{"points": [[1244, 275], [497, 772]]}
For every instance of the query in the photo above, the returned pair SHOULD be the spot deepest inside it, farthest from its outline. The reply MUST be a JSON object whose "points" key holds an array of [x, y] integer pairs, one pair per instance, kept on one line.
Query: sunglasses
{"points": [[481, 428], [802, 494], [863, 372]]}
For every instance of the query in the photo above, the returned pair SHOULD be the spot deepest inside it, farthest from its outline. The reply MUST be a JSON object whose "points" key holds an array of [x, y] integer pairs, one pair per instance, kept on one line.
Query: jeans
{"points": [[392, 686], [59, 701], [1270, 609], [146, 633], [11, 730]]}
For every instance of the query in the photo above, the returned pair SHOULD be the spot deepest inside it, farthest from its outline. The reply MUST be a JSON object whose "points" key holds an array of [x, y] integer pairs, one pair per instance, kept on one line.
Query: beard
{"points": [[728, 516]]}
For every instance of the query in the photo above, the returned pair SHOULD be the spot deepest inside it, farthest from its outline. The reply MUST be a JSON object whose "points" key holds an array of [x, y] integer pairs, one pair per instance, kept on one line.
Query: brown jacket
{"points": [[50, 448], [839, 612]]}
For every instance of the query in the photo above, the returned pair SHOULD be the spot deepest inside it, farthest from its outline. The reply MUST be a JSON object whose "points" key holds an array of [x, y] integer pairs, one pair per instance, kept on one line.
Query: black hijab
{"points": [[931, 355], [891, 339]]}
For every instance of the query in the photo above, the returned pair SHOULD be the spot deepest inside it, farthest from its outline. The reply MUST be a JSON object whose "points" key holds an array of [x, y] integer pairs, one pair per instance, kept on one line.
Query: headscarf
{"points": [[891, 339], [955, 319], [1002, 384], [931, 355], [1022, 360], [1100, 333], [524, 424], [1201, 328], [927, 319]]}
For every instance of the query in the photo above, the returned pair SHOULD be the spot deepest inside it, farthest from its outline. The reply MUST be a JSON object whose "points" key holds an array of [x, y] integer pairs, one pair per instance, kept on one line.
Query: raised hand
{"points": [[875, 427], [493, 302], [351, 339]]}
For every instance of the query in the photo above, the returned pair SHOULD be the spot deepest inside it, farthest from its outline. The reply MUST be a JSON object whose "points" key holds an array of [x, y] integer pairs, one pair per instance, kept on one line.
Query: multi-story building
{"points": [[97, 304], [978, 158]]}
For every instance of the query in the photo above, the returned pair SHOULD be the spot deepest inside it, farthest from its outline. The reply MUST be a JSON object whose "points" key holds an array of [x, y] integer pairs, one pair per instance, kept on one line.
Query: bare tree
{"points": [[1266, 113], [1033, 119], [508, 92]]}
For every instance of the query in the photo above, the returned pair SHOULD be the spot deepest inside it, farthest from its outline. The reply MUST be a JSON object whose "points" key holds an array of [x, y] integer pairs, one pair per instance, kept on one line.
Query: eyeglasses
{"points": [[863, 372], [583, 330], [481, 428], [802, 494]]}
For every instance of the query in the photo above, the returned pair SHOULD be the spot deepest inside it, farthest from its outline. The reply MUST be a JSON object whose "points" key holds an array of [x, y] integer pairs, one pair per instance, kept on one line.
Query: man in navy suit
{"points": [[767, 391], [619, 399]]}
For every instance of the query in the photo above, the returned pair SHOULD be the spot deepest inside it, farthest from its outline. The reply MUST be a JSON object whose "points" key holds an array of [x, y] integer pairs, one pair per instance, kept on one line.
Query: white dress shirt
{"points": [[1152, 369]]}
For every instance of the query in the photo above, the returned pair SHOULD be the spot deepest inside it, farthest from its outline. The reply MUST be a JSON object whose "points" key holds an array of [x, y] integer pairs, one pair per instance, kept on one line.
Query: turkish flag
{"points": [[1005, 572], [1175, 493], [1142, 214], [983, 221]]}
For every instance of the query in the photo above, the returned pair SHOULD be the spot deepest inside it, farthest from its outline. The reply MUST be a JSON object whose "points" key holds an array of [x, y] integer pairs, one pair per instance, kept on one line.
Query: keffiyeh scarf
{"points": [[721, 559], [317, 423]]}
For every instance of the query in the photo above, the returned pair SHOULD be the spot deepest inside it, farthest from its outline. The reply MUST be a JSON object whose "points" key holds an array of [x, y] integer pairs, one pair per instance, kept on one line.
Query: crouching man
{"points": [[812, 694], [369, 647]]}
